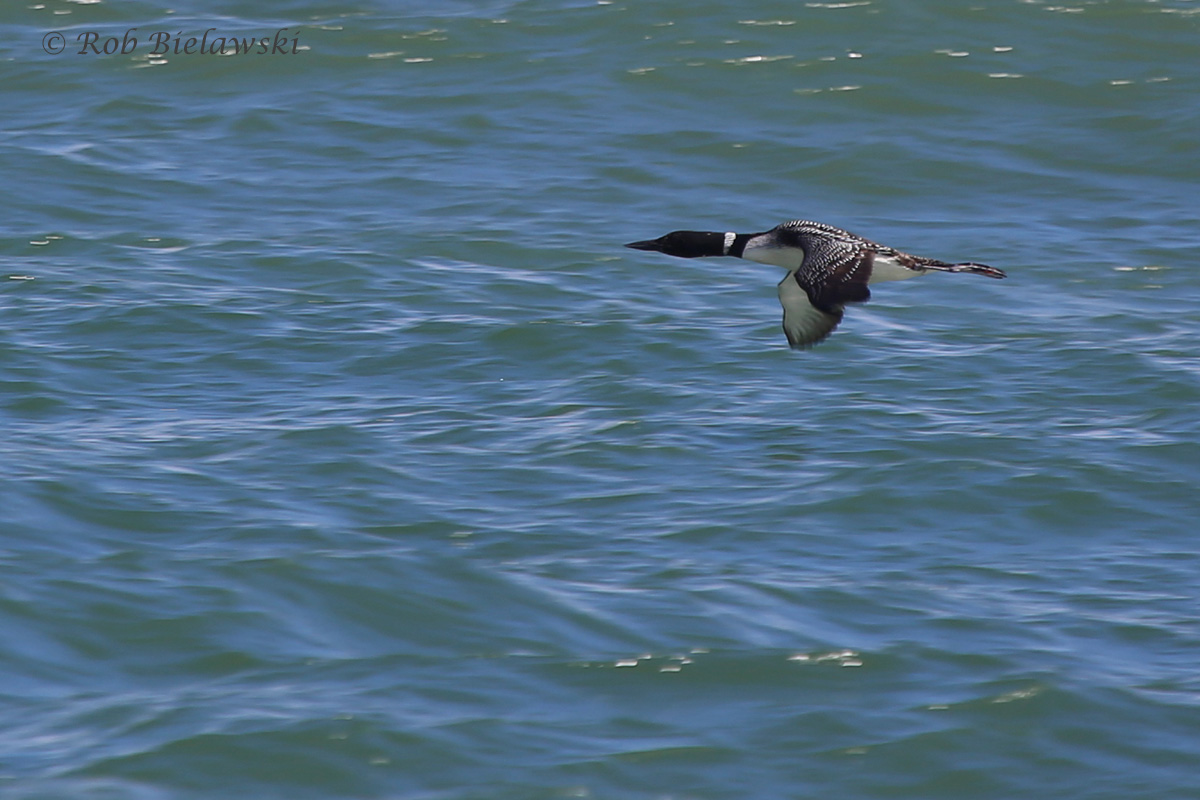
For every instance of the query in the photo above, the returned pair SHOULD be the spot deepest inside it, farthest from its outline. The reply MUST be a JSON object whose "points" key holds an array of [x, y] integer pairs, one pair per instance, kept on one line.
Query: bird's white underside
{"points": [[802, 321]]}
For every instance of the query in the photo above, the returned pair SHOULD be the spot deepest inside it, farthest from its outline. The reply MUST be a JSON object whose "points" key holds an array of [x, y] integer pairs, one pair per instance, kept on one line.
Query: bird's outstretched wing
{"points": [[803, 323], [836, 272]]}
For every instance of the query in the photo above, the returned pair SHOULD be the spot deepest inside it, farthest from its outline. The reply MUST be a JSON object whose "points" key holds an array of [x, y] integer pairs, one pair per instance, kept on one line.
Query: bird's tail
{"points": [[966, 266]]}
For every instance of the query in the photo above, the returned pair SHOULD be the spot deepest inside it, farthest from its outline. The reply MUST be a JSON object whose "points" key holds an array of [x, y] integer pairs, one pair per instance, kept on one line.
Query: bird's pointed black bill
{"points": [[649, 244]]}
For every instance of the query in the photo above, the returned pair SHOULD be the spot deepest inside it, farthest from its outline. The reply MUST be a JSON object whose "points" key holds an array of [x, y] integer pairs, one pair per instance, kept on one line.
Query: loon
{"points": [[827, 268]]}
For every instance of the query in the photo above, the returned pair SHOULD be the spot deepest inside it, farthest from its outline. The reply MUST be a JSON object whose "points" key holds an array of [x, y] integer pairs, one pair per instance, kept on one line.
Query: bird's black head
{"points": [[686, 244]]}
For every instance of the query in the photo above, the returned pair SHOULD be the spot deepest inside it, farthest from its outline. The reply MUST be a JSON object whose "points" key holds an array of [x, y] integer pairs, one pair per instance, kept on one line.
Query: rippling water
{"points": [[347, 454]]}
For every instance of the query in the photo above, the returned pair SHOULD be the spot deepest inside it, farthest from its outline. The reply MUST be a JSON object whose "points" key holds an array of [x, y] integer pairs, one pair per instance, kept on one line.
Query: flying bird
{"points": [[827, 268]]}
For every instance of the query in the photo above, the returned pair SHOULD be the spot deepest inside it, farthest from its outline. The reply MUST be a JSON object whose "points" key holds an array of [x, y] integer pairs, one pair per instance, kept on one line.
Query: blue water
{"points": [[347, 454]]}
